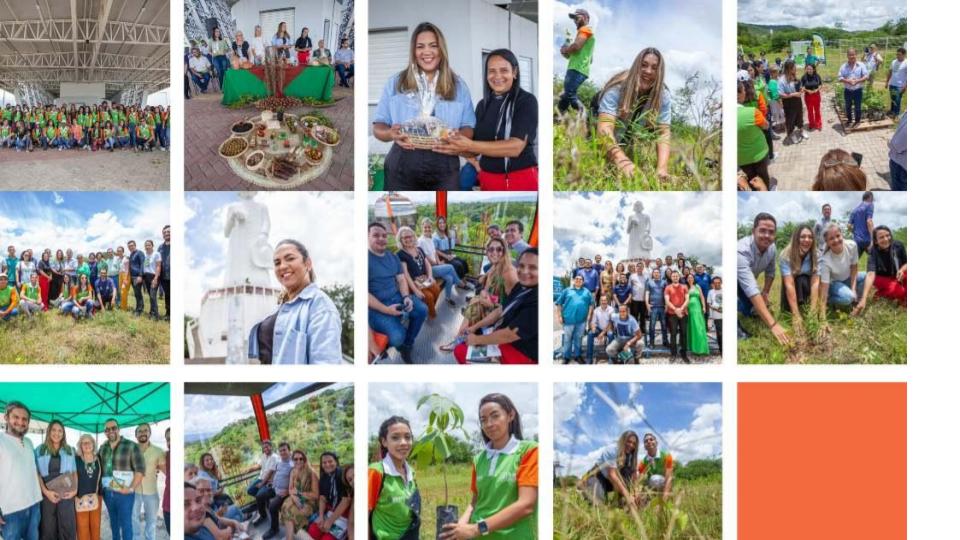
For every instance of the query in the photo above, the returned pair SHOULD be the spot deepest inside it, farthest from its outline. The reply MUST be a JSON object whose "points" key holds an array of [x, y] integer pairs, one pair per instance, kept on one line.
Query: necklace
{"points": [[90, 467]]}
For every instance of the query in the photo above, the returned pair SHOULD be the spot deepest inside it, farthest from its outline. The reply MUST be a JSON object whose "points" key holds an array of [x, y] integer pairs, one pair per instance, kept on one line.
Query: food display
{"points": [[274, 103], [326, 136], [233, 147], [255, 160], [242, 128], [424, 132], [284, 168]]}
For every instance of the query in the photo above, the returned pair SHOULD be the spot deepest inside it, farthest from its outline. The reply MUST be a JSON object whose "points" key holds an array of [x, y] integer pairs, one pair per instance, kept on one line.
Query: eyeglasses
{"points": [[494, 249], [299, 459]]}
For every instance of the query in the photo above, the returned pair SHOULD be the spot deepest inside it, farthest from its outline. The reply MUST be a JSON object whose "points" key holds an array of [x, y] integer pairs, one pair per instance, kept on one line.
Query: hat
{"points": [[581, 12], [743, 76]]}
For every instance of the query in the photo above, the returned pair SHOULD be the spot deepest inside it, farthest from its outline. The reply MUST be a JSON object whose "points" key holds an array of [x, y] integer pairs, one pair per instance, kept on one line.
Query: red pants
{"points": [[888, 287], [522, 180], [44, 291], [812, 102], [508, 355], [303, 57]]}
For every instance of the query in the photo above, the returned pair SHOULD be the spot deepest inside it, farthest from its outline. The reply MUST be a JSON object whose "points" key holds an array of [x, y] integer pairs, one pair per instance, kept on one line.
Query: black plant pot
{"points": [[280, 116], [445, 515]]}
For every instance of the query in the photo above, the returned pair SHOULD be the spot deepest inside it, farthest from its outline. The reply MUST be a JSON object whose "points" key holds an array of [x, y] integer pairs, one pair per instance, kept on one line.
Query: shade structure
{"points": [[86, 406]]}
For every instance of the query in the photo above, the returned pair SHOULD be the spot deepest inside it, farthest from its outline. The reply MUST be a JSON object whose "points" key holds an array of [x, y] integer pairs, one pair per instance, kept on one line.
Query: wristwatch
{"points": [[483, 528]]}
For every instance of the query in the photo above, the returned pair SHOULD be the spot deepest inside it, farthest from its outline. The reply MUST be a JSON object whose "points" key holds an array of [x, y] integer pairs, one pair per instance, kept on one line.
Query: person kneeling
{"points": [[9, 299], [106, 292], [30, 302], [627, 345]]}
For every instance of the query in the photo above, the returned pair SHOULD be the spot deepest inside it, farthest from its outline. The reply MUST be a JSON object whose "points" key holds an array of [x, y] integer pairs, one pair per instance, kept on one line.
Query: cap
{"points": [[581, 12], [743, 76]]}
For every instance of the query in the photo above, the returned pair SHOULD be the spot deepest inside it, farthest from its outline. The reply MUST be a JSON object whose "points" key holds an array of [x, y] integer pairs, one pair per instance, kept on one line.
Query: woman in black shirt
{"points": [[89, 489], [811, 84], [886, 269], [506, 131], [417, 270], [303, 45]]}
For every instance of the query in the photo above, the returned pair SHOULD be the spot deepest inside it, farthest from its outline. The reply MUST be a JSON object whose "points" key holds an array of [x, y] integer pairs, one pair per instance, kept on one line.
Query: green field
{"points": [[694, 513], [430, 483], [109, 337]]}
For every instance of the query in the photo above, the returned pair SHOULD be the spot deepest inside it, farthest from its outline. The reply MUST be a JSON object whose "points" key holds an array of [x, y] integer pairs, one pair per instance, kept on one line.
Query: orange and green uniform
{"points": [[8, 301], [751, 141], [393, 502], [659, 464], [496, 480]]}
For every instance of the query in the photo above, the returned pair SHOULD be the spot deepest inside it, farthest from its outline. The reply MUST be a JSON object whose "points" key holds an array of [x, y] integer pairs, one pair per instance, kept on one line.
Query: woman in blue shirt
{"points": [[281, 41], [408, 167], [305, 329], [631, 98], [798, 268]]}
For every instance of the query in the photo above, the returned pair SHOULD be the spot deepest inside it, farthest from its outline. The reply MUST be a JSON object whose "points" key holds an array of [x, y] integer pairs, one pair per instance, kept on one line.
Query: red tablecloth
{"points": [[289, 73]]}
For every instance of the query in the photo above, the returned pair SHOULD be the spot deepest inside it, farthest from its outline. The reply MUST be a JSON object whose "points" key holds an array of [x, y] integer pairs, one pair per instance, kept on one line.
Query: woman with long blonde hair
{"points": [[417, 270], [636, 98], [614, 472], [55, 459], [426, 87], [801, 280], [304, 495]]}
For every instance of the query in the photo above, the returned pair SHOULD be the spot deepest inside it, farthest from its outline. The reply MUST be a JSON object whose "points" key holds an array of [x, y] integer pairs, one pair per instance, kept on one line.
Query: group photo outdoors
{"points": [[453, 97], [822, 102], [453, 277], [87, 277], [621, 295], [639, 111], [84, 96], [822, 278], [268, 90], [85, 461]]}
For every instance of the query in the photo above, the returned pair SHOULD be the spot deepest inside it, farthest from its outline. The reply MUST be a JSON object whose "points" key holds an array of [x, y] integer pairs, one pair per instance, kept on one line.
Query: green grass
{"points": [[110, 337], [876, 336], [694, 512], [430, 483]]}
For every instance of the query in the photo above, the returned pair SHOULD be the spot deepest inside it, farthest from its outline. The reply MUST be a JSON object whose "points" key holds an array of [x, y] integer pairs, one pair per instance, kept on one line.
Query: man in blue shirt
{"points": [[106, 292], [656, 307], [391, 304], [514, 237], [573, 310], [757, 254], [591, 277], [703, 279], [164, 276], [10, 264], [627, 337], [853, 74], [861, 221], [136, 275]]}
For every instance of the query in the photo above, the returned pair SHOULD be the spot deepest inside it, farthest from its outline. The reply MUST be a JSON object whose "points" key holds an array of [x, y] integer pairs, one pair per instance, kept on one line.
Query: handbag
{"points": [[90, 501]]}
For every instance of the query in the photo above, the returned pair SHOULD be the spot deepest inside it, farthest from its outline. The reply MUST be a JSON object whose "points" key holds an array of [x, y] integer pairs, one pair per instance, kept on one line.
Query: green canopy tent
{"points": [[86, 406]]}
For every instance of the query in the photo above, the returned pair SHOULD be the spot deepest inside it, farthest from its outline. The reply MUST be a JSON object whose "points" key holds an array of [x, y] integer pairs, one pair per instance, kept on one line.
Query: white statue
{"points": [[638, 233], [249, 255]]}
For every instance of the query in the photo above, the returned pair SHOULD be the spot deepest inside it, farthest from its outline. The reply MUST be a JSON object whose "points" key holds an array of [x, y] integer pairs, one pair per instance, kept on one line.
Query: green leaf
{"points": [[444, 446], [682, 520], [433, 418], [443, 421], [423, 400]]}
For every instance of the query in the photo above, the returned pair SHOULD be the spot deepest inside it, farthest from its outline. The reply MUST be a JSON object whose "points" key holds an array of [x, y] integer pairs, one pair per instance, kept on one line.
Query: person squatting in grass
{"points": [[757, 253]]}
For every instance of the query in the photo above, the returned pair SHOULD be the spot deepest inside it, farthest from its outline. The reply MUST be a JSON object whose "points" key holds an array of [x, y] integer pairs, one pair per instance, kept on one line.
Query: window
{"points": [[388, 55]]}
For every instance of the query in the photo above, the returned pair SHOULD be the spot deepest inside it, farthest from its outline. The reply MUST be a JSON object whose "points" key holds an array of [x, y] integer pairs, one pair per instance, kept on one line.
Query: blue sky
{"points": [[862, 15], [82, 221], [589, 417], [587, 223], [889, 207], [321, 220]]}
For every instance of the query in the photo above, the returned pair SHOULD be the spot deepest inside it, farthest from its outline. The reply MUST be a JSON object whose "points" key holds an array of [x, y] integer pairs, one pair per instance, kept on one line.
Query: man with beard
{"points": [[123, 469], [262, 486], [147, 498], [755, 254], [19, 488]]}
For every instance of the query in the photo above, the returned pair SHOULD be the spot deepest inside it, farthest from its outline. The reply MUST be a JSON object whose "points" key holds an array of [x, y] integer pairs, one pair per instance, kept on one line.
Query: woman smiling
{"points": [[393, 497], [305, 329]]}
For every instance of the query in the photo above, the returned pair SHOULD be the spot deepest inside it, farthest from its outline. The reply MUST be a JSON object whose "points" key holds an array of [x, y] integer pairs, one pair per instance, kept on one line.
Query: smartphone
{"points": [[857, 157]]}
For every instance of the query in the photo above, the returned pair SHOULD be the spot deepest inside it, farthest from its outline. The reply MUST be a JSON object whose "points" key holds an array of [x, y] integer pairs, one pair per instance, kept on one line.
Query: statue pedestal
{"points": [[227, 314]]}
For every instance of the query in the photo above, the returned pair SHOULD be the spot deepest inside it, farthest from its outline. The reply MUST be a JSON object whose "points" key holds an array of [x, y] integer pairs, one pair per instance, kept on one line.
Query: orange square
{"points": [[822, 461]]}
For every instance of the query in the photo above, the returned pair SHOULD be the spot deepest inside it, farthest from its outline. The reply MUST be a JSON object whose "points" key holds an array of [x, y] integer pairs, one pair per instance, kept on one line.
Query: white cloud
{"points": [[702, 439], [864, 15], [889, 207], [57, 199]]}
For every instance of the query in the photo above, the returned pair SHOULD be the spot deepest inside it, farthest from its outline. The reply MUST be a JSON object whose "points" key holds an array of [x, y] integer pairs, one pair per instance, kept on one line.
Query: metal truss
{"points": [[85, 31], [67, 60]]}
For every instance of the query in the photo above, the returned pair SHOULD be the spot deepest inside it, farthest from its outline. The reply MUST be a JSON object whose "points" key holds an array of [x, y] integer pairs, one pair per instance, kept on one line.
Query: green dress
{"points": [[696, 327]]}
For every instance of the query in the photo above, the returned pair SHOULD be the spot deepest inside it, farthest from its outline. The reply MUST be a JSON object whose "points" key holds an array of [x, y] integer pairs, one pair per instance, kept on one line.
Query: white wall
{"points": [[470, 27], [309, 13], [6, 98], [158, 99]]}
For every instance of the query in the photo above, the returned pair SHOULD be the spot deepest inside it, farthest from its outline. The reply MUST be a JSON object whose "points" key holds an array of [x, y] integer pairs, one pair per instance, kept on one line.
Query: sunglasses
{"points": [[494, 249], [112, 428], [298, 459]]}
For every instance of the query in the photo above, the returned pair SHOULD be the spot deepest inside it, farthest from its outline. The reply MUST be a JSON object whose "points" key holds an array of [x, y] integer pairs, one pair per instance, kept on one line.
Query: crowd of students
{"points": [[613, 306], [107, 126], [289, 495], [79, 286]]}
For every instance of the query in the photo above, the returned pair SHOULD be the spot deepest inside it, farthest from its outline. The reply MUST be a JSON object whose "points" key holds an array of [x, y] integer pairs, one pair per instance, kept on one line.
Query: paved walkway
{"points": [[795, 167], [83, 170], [208, 124]]}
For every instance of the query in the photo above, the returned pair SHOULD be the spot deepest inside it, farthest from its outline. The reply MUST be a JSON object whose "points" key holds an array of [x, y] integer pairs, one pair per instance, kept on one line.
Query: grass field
{"points": [[877, 336], [110, 337], [430, 482], [694, 513]]}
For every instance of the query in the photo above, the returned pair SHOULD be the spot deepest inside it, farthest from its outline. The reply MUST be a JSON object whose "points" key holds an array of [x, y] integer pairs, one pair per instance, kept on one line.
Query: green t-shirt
{"points": [[31, 292], [773, 89], [6, 294], [83, 269], [4, 132], [7, 114], [82, 292], [656, 465], [391, 515], [580, 61], [496, 483], [751, 141], [51, 132], [144, 131], [64, 131]]}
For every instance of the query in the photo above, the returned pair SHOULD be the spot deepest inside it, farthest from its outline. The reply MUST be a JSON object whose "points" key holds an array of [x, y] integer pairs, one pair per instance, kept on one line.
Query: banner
{"points": [[818, 49]]}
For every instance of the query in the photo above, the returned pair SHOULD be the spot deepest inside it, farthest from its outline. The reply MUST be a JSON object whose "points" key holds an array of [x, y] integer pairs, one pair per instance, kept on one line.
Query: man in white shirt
{"points": [[601, 326], [262, 486], [638, 290], [897, 81], [19, 488], [200, 69]]}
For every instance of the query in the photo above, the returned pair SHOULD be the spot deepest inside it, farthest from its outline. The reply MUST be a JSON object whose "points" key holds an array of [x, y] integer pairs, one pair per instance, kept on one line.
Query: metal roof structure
{"points": [[124, 44]]}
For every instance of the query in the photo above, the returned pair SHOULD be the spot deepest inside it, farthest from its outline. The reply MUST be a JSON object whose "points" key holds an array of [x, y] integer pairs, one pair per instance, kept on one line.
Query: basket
{"points": [[424, 132], [242, 142]]}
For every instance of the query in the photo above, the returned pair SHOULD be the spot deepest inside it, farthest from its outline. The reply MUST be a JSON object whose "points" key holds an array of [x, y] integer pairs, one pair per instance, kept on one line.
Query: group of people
{"points": [[634, 477], [620, 306], [497, 138], [57, 491], [771, 97], [108, 126], [500, 309], [503, 482], [632, 101], [289, 496], [819, 267], [78, 286], [211, 59]]}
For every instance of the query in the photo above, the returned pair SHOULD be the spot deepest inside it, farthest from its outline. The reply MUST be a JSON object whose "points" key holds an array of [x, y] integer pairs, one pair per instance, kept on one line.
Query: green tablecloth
{"points": [[240, 82], [314, 82]]}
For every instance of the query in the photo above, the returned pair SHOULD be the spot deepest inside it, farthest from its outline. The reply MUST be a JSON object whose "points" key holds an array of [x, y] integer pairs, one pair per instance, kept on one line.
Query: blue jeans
{"points": [[222, 64], [744, 305], [23, 143], [840, 293], [853, 100], [657, 314], [150, 505], [448, 274], [399, 335], [202, 81], [573, 340], [22, 525], [896, 96], [254, 487], [898, 177], [590, 337], [345, 73], [120, 510], [571, 83], [13, 313]]}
